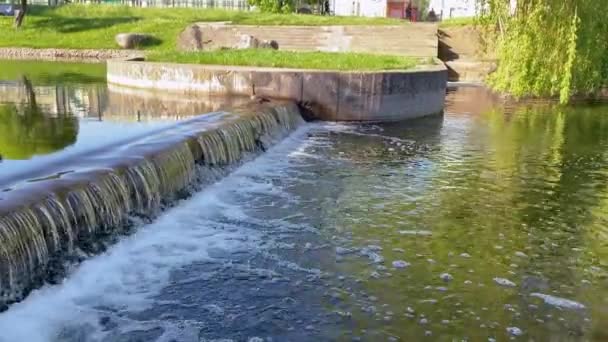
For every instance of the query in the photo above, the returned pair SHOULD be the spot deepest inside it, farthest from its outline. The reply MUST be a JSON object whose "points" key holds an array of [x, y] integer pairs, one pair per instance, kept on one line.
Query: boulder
{"points": [[190, 39], [133, 40], [251, 42], [269, 44], [219, 36], [248, 42]]}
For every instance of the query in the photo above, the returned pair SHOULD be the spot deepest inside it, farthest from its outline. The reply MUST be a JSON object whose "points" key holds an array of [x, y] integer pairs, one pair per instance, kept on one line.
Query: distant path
{"points": [[84, 55]]}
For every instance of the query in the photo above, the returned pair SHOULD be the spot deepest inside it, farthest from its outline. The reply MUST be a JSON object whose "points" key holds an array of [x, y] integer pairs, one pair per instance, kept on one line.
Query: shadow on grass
{"points": [[72, 25], [151, 41]]}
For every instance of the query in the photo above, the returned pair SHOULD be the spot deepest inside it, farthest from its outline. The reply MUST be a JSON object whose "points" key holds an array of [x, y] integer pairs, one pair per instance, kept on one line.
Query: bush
{"points": [[274, 6]]}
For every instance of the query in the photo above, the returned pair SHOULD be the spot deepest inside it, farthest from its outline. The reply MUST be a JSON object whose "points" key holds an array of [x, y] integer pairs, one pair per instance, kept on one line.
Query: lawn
{"points": [[287, 59], [94, 26], [453, 22]]}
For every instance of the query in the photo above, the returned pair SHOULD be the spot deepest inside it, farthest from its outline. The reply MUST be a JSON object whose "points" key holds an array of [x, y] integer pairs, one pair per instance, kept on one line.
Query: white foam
{"points": [[559, 302], [127, 276], [132, 272]]}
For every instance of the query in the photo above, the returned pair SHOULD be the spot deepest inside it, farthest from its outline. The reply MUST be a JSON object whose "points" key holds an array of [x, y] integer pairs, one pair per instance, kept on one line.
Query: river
{"points": [[487, 223]]}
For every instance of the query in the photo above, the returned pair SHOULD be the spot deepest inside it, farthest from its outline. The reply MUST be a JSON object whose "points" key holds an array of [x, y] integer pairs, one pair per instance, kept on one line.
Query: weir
{"points": [[46, 221]]}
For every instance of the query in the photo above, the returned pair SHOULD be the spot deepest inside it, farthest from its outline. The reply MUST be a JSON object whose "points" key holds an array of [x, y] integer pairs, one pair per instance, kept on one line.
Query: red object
{"points": [[395, 9]]}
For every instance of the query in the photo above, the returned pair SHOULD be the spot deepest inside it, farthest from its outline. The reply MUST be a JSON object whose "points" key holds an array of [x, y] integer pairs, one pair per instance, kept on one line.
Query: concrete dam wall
{"points": [[330, 95]]}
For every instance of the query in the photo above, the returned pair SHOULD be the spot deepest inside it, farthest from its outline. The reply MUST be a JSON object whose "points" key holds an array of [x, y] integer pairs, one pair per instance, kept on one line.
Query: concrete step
{"points": [[469, 70]]}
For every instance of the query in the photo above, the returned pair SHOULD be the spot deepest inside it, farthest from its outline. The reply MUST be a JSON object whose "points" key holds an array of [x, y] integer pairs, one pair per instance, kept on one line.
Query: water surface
{"points": [[53, 112], [487, 223]]}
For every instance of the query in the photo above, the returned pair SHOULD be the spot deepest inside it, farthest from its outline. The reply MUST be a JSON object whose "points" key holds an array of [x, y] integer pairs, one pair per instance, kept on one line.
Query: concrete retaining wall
{"points": [[335, 96], [467, 56], [414, 40]]}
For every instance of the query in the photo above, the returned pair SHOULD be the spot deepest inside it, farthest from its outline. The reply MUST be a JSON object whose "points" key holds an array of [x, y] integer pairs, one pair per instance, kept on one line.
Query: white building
{"points": [[364, 8], [446, 9]]}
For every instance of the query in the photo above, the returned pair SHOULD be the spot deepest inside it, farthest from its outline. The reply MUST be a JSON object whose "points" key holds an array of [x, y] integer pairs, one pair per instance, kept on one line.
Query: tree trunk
{"points": [[29, 89], [20, 14]]}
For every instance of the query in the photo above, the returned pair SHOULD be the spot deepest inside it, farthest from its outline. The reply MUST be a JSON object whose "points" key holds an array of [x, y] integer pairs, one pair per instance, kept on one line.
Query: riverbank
{"points": [[75, 55], [86, 33], [94, 26], [249, 57]]}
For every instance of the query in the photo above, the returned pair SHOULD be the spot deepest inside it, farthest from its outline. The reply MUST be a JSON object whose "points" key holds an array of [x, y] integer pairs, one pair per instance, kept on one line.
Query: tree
{"points": [[19, 15], [549, 47], [274, 6], [26, 131]]}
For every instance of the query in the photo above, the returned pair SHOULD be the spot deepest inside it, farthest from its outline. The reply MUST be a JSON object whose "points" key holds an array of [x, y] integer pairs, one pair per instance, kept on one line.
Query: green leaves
{"points": [[549, 48], [274, 6]]}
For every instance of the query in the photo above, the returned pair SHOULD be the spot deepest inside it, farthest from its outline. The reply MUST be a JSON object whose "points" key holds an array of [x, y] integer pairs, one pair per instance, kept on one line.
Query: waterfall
{"points": [[43, 222]]}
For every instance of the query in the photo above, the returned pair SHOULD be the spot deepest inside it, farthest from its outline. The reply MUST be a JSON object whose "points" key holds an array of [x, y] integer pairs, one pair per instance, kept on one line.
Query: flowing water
{"points": [[488, 223]]}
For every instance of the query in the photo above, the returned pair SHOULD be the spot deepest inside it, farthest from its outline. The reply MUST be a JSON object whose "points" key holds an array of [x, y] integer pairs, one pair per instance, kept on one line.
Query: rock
{"points": [[521, 254], [269, 44], [343, 251], [514, 331], [534, 284], [190, 39], [400, 264], [446, 277], [250, 42], [504, 282], [133, 40], [559, 302]]}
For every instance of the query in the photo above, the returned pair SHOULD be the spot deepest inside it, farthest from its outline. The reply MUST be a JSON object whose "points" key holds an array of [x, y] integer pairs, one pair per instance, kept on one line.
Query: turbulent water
{"points": [[487, 223], [44, 220]]}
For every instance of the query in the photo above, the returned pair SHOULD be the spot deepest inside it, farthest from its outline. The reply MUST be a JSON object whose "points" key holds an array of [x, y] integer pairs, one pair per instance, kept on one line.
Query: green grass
{"points": [[94, 26], [458, 22], [286, 59]]}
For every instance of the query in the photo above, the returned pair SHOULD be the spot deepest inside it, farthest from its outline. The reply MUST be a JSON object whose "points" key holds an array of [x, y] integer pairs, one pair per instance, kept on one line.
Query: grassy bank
{"points": [[287, 59], [94, 26], [456, 22]]}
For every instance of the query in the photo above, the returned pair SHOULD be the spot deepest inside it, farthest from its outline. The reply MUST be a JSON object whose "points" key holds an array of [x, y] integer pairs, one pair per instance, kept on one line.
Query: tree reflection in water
{"points": [[26, 130]]}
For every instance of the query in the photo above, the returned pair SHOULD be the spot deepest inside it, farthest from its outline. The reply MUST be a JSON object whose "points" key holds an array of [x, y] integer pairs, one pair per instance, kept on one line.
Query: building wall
{"points": [[364, 8], [454, 8]]}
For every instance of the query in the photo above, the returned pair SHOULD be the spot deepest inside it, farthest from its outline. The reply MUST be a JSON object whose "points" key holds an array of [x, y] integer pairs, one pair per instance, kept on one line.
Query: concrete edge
{"points": [[389, 95], [437, 66]]}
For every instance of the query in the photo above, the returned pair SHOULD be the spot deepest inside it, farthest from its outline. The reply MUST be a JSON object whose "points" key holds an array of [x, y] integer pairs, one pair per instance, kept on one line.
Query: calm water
{"points": [[490, 222], [54, 112]]}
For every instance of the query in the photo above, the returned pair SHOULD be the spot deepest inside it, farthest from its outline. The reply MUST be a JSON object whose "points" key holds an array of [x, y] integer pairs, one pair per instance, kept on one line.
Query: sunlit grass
{"points": [[286, 59], [94, 26], [464, 21]]}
